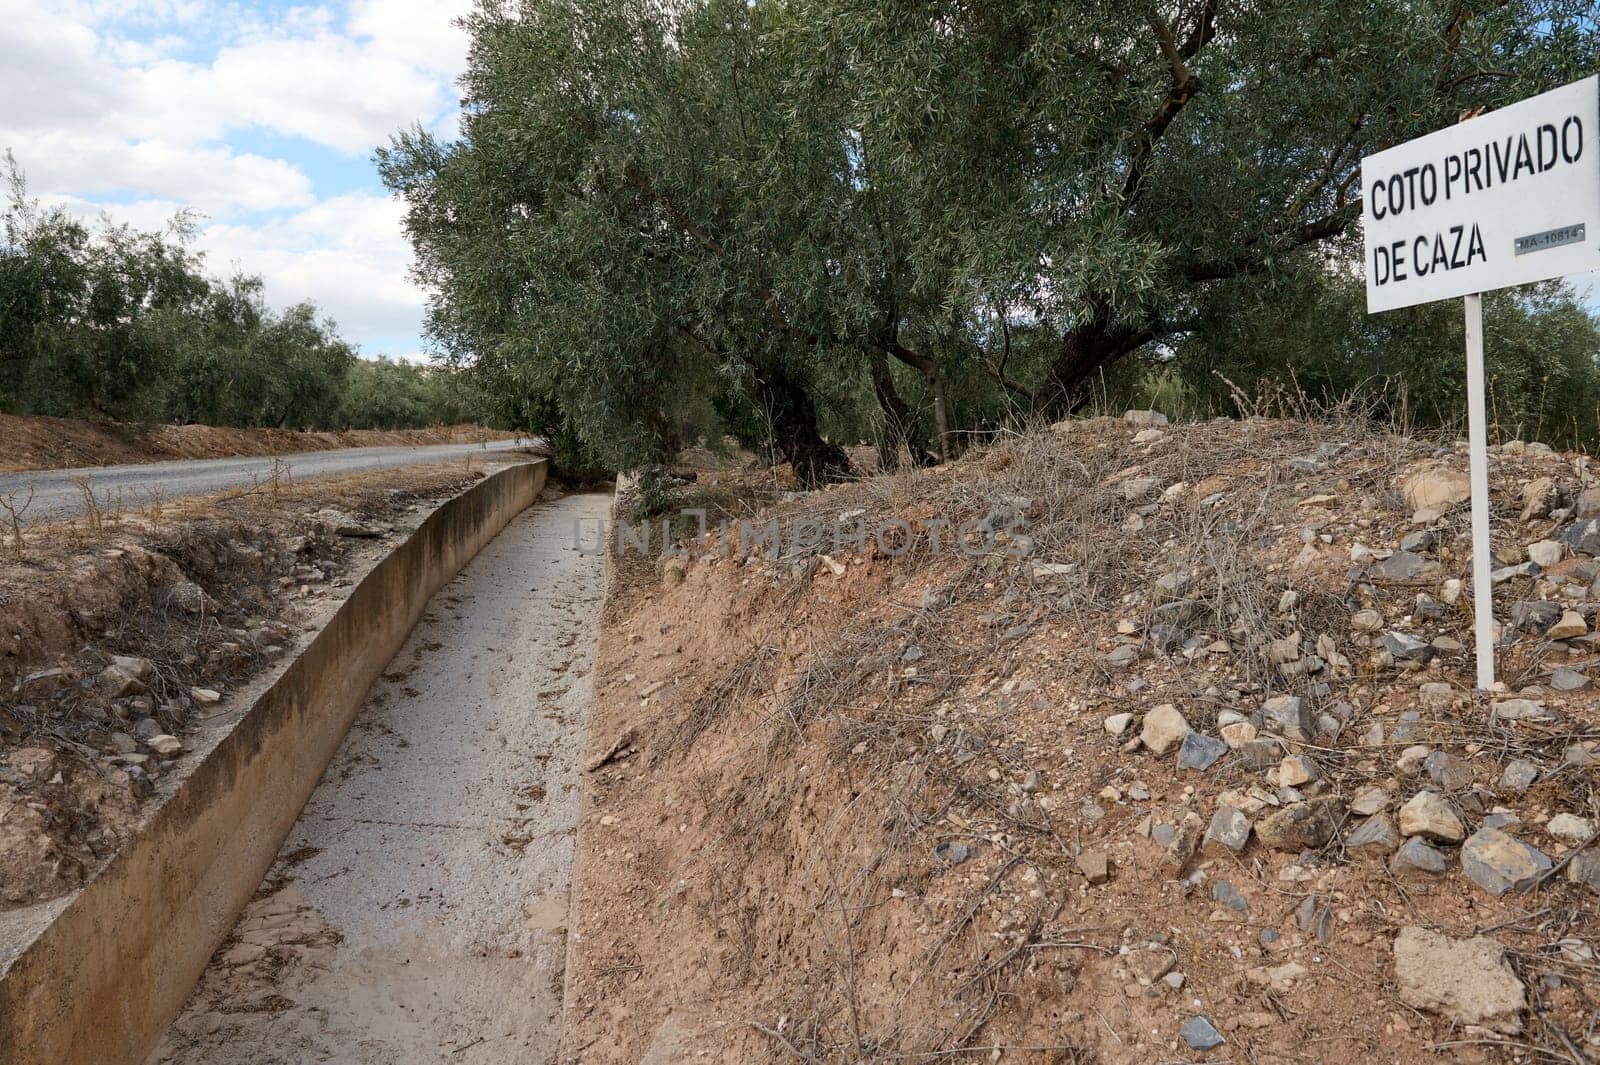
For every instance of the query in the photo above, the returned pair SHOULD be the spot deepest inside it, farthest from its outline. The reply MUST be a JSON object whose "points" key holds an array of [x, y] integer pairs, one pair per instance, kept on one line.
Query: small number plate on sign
{"points": [[1551, 238]]}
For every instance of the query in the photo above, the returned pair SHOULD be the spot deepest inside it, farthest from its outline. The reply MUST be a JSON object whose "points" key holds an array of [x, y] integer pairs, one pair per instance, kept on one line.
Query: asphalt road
{"points": [[57, 495]]}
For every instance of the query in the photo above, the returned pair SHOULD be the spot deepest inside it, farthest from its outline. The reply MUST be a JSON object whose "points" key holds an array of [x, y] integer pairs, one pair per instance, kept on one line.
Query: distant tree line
{"points": [[815, 221], [113, 322]]}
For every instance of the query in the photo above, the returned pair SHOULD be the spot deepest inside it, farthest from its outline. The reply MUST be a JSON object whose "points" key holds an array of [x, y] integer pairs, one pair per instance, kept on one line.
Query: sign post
{"points": [[1507, 199], [1478, 443]]}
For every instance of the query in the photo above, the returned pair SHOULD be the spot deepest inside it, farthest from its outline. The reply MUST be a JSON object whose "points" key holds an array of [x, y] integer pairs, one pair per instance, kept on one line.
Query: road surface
{"points": [[417, 912], [57, 494]]}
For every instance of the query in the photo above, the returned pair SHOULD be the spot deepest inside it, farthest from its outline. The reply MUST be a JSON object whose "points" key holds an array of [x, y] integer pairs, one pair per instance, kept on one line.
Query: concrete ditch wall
{"points": [[99, 984]]}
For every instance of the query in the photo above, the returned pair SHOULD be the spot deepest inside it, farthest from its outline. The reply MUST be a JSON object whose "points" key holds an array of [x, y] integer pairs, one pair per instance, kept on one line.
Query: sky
{"points": [[261, 116]]}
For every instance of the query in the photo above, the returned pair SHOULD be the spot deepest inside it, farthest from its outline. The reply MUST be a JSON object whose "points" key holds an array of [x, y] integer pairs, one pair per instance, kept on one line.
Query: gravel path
{"points": [[57, 495], [417, 913]]}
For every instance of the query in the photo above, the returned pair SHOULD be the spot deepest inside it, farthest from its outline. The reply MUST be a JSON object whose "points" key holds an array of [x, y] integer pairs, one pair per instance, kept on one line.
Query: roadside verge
{"points": [[100, 983]]}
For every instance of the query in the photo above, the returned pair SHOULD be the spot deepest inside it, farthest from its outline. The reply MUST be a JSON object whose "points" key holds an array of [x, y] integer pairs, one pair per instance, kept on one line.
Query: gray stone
{"points": [[1520, 710], [1290, 717], [1406, 566], [1403, 645], [1568, 680], [1448, 771], [1201, 1034], [1122, 656], [1376, 833], [1419, 540], [1583, 537], [1260, 753], [1200, 751], [1535, 616], [1521, 569], [1585, 869], [1466, 980], [1498, 862], [1229, 829], [1418, 855], [1224, 892], [1519, 776]]}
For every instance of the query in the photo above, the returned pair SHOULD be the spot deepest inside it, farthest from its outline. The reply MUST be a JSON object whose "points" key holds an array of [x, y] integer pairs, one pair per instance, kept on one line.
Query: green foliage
{"points": [[903, 220], [114, 322]]}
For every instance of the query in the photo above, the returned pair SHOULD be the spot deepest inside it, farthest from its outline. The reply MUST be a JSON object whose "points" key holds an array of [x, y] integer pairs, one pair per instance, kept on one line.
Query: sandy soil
{"points": [[867, 806], [39, 443], [418, 911]]}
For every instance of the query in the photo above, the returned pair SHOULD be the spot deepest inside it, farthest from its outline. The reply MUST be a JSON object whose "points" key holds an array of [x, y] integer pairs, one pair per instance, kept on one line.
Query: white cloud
{"points": [[347, 254], [140, 103]]}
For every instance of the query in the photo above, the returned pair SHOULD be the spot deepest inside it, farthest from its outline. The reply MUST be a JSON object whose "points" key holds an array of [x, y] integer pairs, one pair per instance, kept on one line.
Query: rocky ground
{"points": [[1174, 758], [125, 631]]}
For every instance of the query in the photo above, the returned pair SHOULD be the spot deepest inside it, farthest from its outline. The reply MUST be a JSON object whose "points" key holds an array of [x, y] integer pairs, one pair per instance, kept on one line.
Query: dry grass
{"points": [[918, 776]]}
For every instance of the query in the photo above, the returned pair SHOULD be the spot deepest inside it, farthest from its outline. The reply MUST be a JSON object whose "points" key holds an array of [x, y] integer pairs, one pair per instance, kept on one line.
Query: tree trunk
{"points": [[929, 369], [899, 422], [1086, 349], [794, 429]]}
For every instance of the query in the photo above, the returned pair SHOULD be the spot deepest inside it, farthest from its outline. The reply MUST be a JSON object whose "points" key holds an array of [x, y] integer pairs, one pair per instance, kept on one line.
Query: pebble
{"points": [[1570, 626], [1416, 854], [1298, 827], [1520, 710], [1117, 724], [1289, 716], [1224, 892], [1229, 829], [1447, 771], [1403, 645], [1297, 769], [1095, 865], [1519, 776], [1428, 814], [1570, 829], [1200, 751], [1568, 680], [1499, 862], [1376, 833], [1369, 799], [1201, 1034], [1164, 728]]}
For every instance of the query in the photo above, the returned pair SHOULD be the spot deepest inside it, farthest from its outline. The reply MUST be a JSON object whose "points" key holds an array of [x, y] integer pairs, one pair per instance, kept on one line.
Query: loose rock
{"points": [[1498, 862], [1428, 814], [1164, 728], [1466, 980]]}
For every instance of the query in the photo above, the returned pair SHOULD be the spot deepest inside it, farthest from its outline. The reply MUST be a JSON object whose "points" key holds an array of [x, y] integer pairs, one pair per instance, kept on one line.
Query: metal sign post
{"points": [[1507, 199], [1478, 442]]}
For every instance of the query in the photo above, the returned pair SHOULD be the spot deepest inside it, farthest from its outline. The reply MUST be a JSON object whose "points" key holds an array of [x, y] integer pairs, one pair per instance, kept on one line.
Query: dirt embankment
{"points": [[1180, 763], [124, 631], [38, 443]]}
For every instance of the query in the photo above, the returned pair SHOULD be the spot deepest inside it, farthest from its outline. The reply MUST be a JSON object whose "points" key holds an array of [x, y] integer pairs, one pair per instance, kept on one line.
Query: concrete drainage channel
{"points": [[415, 909]]}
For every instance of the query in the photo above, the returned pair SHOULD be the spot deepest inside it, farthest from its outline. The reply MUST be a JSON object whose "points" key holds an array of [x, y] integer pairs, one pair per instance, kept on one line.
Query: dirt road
{"points": [[57, 494], [418, 910]]}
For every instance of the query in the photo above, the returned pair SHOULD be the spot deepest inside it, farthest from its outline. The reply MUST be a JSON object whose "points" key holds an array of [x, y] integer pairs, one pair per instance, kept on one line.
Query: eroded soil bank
{"points": [[418, 910]]}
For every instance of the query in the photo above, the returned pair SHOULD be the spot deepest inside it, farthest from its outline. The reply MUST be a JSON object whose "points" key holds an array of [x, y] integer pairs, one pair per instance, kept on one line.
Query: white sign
{"points": [[1504, 199]]}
